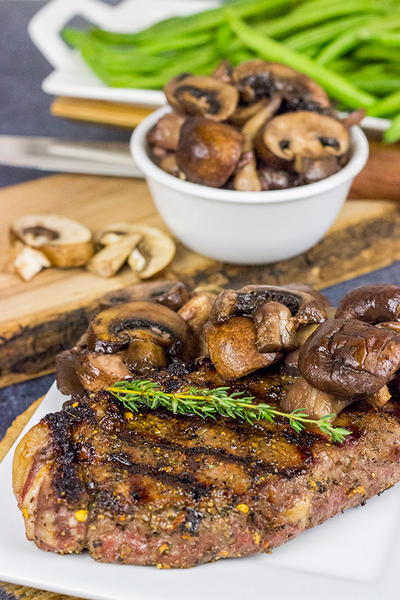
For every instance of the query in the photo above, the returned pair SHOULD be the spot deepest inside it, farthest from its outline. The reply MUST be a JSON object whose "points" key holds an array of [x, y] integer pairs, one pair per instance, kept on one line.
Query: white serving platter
{"points": [[354, 555], [72, 77]]}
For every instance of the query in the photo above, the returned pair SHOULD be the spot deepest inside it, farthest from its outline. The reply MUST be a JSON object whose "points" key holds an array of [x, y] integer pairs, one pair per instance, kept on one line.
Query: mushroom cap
{"points": [[204, 96], [301, 134], [232, 348], [349, 358], [371, 303], [208, 152], [256, 79], [114, 328]]}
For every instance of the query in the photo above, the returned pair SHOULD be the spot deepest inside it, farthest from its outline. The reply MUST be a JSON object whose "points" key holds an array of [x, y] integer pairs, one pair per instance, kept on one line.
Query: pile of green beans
{"points": [[350, 47]]}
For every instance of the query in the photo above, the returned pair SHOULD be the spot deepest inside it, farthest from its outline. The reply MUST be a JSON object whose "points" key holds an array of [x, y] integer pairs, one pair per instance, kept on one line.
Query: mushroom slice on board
{"points": [[111, 258], [371, 303], [26, 261], [246, 176], [113, 329], [256, 79], [203, 96], [232, 348], [208, 152], [153, 252], [288, 138], [65, 242]]}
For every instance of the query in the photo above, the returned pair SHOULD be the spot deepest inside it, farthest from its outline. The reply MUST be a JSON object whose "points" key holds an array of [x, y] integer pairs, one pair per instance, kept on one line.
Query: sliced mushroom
{"points": [[65, 242], [257, 79], [169, 164], [172, 294], [277, 179], [354, 118], [350, 358], [208, 152], [165, 133], [371, 303], [246, 112], [303, 307], [153, 252], [380, 398], [98, 371], [246, 177], [203, 96], [113, 329], [275, 328], [110, 259], [288, 138], [25, 261], [196, 312], [316, 403], [232, 348], [223, 72], [312, 169], [145, 354]]}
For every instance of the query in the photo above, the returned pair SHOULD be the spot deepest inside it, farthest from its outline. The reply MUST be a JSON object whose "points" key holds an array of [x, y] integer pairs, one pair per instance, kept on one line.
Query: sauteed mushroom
{"points": [[251, 300], [172, 294], [223, 72], [286, 140], [113, 329], [350, 358], [232, 348], [257, 79], [196, 312], [246, 177], [165, 133], [97, 371], [208, 152], [204, 96], [316, 403], [371, 303]]}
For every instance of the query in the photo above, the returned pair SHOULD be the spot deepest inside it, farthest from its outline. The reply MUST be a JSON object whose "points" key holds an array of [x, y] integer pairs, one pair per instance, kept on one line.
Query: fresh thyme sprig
{"points": [[209, 403]]}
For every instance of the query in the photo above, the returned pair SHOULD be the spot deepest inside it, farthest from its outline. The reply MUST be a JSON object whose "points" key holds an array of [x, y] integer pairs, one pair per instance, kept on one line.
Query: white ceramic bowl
{"points": [[247, 227]]}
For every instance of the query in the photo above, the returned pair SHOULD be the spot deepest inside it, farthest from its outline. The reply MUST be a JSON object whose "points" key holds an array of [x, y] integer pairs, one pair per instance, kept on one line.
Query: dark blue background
{"points": [[24, 110]]}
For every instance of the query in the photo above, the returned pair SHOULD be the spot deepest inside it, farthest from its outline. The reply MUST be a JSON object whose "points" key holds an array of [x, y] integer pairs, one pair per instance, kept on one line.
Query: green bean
{"points": [[164, 45], [379, 87], [390, 39], [208, 19], [322, 33], [375, 52], [350, 39], [387, 106], [313, 14], [392, 134], [272, 50]]}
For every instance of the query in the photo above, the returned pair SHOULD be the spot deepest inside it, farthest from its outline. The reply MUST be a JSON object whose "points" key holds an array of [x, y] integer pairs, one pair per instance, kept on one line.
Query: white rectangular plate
{"points": [[72, 77], [354, 555]]}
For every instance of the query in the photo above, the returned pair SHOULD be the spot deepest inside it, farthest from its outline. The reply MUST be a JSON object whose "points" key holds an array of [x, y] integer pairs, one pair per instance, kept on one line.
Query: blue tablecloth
{"points": [[24, 110]]}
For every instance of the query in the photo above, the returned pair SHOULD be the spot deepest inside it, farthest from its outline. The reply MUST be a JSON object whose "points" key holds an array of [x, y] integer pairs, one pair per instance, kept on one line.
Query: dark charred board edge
{"points": [[29, 351]]}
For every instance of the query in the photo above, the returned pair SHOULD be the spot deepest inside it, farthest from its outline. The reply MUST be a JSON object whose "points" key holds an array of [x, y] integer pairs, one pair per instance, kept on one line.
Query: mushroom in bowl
{"points": [[251, 165]]}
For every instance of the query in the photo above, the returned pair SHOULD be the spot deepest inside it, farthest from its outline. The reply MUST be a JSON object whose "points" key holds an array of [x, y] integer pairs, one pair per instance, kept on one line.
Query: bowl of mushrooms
{"points": [[250, 165]]}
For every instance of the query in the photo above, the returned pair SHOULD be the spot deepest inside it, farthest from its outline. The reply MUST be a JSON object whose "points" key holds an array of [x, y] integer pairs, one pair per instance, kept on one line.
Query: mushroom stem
{"points": [[316, 403]]}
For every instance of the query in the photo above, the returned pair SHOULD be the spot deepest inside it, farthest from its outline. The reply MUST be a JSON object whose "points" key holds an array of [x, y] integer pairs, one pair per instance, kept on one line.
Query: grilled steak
{"points": [[173, 491]]}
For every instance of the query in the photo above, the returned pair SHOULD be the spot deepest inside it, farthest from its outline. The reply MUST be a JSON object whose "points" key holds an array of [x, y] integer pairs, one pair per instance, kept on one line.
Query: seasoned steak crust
{"points": [[157, 489]]}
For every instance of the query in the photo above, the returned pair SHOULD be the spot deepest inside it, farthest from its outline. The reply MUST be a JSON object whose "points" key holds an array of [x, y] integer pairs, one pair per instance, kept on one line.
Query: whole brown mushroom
{"points": [[208, 152], [371, 303]]}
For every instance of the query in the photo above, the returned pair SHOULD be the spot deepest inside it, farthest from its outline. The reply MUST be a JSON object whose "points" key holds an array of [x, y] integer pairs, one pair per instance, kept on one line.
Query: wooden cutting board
{"points": [[42, 317]]}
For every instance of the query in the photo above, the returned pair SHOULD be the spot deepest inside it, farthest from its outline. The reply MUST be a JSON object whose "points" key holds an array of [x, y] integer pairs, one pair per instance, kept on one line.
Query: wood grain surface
{"points": [[41, 317]]}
